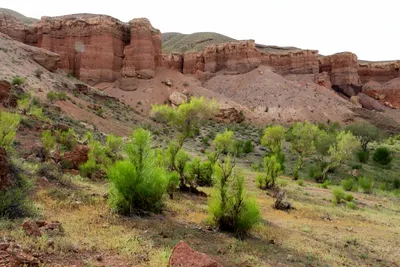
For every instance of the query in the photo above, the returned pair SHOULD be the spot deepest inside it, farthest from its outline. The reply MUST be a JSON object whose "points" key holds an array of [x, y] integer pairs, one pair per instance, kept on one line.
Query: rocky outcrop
{"points": [[387, 93], [323, 79], [91, 46], [43, 57], [343, 70], [183, 255], [144, 51], [5, 89], [173, 61], [5, 179], [177, 98], [193, 62], [75, 158], [230, 115], [293, 62], [17, 30], [239, 57], [368, 102], [378, 72]]}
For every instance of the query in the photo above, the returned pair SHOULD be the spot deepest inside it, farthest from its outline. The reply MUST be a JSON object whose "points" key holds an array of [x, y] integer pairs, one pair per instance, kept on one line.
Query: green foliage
{"points": [[137, 185], [54, 96], [186, 117], [67, 139], [365, 133], [363, 156], [173, 183], [366, 184], [224, 142], [115, 145], [88, 168], [396, 183], [198, 173], [326, 184], [248, 147], [349, 197], [338, 194], [272, 168], [300, 182], [38, 73], [8, 129], [348, 184], [37, 112], [302, 139], [383, 156], [351, 205], [273, 138], [14, 201], [48, 142], [18, 80], [98, 160], [229, 207]]}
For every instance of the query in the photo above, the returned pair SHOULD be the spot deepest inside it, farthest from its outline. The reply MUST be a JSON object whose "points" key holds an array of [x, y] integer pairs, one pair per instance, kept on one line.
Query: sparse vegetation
{"points": [[17, 80], [48, 142], [56, 96], [8, 128]]}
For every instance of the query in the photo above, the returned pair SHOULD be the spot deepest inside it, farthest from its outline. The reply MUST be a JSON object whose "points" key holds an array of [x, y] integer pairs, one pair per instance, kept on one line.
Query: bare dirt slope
{"points": [[275, 98]]}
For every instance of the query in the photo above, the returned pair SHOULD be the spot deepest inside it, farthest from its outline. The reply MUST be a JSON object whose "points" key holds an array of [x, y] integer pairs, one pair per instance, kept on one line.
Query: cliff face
{"points": [[144, 50], [343, 70], [91, 47], [94, 48], [298, 62], [379, 72], [173, 61], [192, 62]]}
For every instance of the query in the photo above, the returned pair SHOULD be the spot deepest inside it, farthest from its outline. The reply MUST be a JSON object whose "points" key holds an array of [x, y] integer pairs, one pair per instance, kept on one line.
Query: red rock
{"points": [[31, 228], [17, 30], [5, 179], [323, 79], [144, 50], [368, 102], [379, 72], [192, 62], [293, 62], [5, 88], [184, 256], [229, 115], [4, 246], [343, 70], [173, 61], [240, 57], [76, 157]]}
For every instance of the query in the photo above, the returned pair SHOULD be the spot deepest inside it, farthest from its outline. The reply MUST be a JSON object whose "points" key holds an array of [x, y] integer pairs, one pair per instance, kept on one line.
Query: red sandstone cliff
{"points": [[296, 62]]}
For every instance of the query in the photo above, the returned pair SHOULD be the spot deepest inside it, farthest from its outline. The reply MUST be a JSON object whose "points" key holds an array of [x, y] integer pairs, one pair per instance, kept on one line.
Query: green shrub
{"points": [[48, 142], [115, 145], [229, 207], [67, 139], [272, 169], [356, 167], [50, 171], [8, 129], [55, 96], [137, 185], [326, 184], [14, 201], [37, 112], [382, 156], [351, 205], [338, 194], [396, 184], [88, 168], [348, 184], [362, 156], [349, 197], [255, 167], [38, 73], [300, 182], [18, 80], [366, 184]]}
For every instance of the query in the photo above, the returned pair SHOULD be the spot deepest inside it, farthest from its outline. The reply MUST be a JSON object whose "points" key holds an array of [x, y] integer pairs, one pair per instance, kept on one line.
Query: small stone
{"points": [[99, 258]]}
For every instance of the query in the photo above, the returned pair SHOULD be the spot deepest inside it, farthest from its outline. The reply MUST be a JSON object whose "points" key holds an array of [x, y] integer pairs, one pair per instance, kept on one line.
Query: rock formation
{"points": [[241, 57], [76, 157], [91, 46], [293, 62], [193, 62], [378, 72], [5, 88], [343, 70], [17, 30], [144, 51], [173, 61], [368, 102]]}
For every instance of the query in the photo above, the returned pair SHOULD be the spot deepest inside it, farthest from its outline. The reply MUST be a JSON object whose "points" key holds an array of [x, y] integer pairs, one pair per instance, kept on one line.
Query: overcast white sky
{"points": [[368, 28]]}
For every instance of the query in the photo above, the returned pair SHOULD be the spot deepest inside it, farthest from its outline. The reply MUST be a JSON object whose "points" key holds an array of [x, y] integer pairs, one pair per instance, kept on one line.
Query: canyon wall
{"points": [[293, 62], [378, 72]]}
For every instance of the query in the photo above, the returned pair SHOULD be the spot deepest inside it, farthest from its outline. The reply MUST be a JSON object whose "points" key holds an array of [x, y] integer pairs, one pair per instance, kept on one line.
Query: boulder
{"points": [[368, 102], [5, 89], [38, 228], [76, 157], [5, 179], [177, 98], [292, 62], [184, 256], [31, 228], [229, 115]]}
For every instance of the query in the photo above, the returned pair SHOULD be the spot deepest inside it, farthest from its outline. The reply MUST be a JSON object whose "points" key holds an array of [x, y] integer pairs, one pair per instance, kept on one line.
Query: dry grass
{"points": [[367, 236]]}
